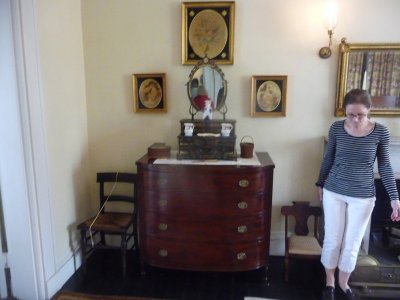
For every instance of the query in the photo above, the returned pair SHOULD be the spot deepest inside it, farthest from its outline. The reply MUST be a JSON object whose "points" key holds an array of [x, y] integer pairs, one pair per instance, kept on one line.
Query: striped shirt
{"points": [[348, 164]]}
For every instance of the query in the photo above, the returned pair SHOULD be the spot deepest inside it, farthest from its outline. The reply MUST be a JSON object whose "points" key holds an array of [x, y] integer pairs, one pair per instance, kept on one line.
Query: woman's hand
{"points": [[320, 193], [395, 216]]}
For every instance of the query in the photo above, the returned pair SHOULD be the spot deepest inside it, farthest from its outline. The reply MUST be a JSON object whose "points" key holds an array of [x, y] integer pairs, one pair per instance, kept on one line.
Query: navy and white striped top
{"points": [[348, 164]]}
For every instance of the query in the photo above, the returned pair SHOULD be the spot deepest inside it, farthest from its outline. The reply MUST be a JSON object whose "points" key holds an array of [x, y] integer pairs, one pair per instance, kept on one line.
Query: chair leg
{"points": [[135, 239], [123, 254], [103, 238], [286, 269], [83, 249]]}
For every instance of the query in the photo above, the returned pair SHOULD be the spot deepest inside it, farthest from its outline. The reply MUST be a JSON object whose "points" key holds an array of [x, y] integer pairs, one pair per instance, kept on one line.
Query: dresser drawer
{"points": [[204, 256], [191, 229], [197, 180], [203, 203]]}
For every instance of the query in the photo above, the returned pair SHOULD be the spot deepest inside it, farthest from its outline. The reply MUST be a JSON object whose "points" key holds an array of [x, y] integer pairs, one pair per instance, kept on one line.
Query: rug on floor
{"points": [[68, 295]]}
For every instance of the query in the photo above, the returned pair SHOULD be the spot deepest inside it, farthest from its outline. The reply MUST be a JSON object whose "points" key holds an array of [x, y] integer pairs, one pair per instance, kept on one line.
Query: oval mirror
{"points": [[207, 82]]}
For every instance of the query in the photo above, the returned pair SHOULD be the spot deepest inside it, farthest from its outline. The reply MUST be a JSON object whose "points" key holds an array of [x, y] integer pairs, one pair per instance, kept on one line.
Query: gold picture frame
{"points": [[268, 96], [208, 30], [373, 67], [149, 92]]}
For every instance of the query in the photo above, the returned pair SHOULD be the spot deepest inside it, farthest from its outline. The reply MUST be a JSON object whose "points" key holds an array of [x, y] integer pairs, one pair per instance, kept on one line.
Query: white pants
{"points": [[346, 219]]}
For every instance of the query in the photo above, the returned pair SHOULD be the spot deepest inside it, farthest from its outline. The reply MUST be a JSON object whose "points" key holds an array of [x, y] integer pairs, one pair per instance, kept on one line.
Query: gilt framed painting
{"points": [[149, 92], [268, 96], [208, 31]]}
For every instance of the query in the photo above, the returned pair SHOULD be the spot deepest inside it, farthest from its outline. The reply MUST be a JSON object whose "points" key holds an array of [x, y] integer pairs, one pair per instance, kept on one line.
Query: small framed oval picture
{"points": [[149, 93], [268, 96]]}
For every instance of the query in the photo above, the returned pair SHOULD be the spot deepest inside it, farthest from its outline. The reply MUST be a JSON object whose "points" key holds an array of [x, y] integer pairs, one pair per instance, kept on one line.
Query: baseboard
{"points": [[66, 270]]}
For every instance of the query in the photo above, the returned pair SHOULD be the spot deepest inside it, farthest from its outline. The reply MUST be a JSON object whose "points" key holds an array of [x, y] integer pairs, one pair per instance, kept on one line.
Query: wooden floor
{"points": [[104, 278], [104, 281]]}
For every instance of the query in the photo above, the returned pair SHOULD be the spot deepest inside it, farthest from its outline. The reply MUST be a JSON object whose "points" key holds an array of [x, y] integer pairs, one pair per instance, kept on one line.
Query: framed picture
{"points": [[268, 96], [207, 31], [374, 68], [149, 92]]}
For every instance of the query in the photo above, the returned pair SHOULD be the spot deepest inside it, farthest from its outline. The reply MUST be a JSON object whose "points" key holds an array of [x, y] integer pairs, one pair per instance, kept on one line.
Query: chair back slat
{"points": [[301, 213], [112, 177]]}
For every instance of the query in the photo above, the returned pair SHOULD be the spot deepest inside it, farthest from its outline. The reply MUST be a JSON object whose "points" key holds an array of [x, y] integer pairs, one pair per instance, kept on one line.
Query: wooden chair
{"points": [[113, 223], [301, 245]]}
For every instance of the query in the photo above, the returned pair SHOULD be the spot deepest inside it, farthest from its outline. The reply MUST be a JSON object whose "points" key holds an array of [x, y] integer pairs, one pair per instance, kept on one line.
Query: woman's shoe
{"points": [[348, 294], [328, 293]]}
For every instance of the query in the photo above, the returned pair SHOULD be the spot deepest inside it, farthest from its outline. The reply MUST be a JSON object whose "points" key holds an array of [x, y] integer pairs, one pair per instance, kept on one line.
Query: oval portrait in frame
{"points": [[150, 93], [208, 33], [269, 96]]}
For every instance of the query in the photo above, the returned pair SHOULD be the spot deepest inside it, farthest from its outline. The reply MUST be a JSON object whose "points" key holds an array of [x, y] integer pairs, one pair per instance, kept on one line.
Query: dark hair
{"points": [[358, 96]]}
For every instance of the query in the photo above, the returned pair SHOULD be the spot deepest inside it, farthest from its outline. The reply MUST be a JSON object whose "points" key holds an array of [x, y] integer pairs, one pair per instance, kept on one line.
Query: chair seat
{"points": [[110, 222], [304, 245]]}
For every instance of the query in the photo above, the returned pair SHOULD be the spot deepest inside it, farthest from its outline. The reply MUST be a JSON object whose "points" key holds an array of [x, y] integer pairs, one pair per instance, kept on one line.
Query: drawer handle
{"points": [[244, 183], [243, 205], [162, 226], [162, 202], [389, 275], [163, 252], [242, 229], [241, 256], [163, 181]]}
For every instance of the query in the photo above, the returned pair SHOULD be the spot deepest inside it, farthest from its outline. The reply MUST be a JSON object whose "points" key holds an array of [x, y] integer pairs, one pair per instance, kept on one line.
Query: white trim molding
{"points": [[34, 141]]}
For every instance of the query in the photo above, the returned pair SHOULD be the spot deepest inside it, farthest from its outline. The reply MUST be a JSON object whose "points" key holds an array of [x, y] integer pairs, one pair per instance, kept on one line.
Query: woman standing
{"points": [[346, 187]]}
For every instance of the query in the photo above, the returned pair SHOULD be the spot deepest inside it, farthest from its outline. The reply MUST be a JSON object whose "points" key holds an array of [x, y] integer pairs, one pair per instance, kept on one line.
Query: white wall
{"points": [[64, 95], [271, 38]]}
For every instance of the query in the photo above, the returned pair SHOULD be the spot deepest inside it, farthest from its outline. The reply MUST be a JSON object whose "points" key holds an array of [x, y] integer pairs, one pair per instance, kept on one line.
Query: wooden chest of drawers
{"points": [[205, 217]]}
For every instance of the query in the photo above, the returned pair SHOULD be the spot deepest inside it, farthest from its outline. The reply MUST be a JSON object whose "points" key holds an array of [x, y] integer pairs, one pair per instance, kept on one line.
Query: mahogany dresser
{"points": [[205, 217]]}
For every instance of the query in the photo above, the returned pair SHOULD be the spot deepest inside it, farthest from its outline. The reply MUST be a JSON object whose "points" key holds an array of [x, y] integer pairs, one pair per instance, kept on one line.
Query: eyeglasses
{"points": [[356, 116]]}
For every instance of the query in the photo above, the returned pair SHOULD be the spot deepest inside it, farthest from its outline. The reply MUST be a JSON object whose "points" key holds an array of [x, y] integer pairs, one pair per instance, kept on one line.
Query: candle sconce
{"points": [[330, 20]]}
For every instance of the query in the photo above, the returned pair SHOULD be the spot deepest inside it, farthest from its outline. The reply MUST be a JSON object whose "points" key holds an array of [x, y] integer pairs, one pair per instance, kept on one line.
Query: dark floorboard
{"points": [[104, 278]]}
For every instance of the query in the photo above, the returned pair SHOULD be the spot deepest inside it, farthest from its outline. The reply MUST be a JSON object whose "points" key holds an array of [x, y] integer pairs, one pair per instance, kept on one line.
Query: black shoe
{"points": [[348, 295], [328, 293]]}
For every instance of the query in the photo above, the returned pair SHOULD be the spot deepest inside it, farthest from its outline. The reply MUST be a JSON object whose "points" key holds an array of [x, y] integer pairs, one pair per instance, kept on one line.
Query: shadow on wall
{"points": [[83, 193]]}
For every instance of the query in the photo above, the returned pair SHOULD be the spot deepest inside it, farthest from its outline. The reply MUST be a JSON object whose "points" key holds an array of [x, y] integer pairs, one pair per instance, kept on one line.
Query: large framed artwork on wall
{"points": [[208, 31], [149, 92], [374, 67]]}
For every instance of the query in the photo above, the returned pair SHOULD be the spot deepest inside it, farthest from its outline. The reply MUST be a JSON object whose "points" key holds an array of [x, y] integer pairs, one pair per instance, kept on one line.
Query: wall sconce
{"points": [[330, 21]]}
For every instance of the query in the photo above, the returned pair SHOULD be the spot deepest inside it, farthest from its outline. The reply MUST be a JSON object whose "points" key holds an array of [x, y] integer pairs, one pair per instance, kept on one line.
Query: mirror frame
{"points": [[344, 52], [203, 63]]}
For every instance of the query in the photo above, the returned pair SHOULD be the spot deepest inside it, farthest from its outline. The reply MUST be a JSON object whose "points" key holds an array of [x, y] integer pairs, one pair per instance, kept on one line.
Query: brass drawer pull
{"points": [[162, 202], [163, 252], [243, 205], [243, 183], [242, 229], [162, 226], [241, 256]]}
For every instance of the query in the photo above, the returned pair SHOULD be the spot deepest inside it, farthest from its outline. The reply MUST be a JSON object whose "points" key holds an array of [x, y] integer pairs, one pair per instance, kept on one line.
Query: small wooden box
{"points": [[159, 150]]}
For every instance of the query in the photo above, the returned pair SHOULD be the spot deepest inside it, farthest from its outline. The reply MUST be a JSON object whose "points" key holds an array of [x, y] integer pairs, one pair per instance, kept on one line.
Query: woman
{"points": [[346, 187]]}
